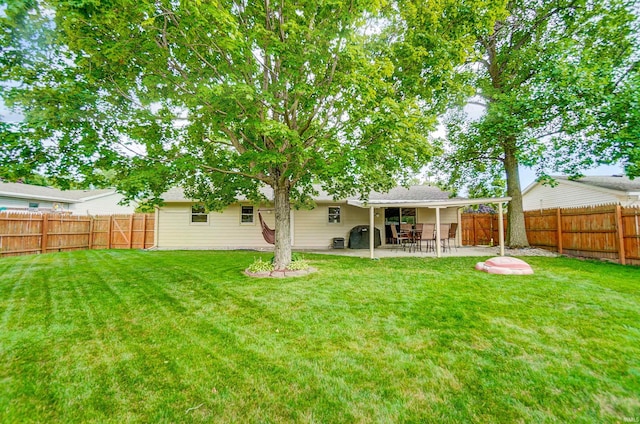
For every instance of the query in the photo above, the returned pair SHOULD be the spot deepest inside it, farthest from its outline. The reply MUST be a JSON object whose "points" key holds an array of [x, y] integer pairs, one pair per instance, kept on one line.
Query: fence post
{"points": [[621, 251], [131, 231], [144, 231], [110, 229], [45, 233], [91, 229], [559, 229]]}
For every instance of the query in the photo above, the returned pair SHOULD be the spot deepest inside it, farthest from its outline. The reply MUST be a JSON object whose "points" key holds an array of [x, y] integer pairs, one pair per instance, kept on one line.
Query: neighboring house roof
{"points": [[617, 183], [27, 191], [613, 182]]}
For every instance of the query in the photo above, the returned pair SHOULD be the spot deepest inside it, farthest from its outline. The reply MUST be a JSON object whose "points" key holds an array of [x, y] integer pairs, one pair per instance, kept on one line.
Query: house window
{"points": [[408, 216], [334, 214], [33, 205], [246, 215], [199, 214]]}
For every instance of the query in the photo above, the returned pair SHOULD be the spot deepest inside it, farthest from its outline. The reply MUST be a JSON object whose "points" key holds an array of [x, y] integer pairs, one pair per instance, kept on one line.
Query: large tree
{"points": [[226, 97], [558, 84]]}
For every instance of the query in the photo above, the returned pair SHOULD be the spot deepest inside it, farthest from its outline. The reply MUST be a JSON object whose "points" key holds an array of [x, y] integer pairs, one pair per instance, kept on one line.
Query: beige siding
{"points": [[312, 229], [428, 216], [105, 205], [13, 202], [223, 231], [565, 196]]}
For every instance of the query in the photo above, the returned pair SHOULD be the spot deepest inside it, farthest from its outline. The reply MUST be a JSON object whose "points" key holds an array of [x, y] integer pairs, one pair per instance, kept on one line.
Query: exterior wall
{"points": [[566, 196], [428, 216], [223, 231], [13, 202], [311, 228], [105, 205]]}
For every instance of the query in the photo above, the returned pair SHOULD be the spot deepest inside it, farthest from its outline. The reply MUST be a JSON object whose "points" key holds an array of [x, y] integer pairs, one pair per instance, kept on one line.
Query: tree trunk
{"points": [[516, 231], [282, 206]]}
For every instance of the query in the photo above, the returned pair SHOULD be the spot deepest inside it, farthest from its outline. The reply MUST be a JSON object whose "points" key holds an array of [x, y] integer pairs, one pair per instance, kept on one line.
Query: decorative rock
{"points": [[505, 265]]}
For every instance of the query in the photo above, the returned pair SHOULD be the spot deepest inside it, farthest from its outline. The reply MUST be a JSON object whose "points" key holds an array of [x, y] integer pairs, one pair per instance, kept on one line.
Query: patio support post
{"points": [[500, 229], [438, 247], [372, 229]]}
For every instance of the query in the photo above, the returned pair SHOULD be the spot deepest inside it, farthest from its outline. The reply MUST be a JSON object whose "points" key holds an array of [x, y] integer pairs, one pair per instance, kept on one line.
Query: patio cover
{"points": [[372, 204]]}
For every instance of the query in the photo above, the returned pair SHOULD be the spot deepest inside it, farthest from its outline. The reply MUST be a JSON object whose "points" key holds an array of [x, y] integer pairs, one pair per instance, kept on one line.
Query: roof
{"points": [[618, 183], [27, 191], [610, 182], [414, 196]]}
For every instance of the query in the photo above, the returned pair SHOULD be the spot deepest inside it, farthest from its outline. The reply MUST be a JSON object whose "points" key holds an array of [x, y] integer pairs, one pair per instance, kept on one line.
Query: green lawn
{"points": [[132, 336]]}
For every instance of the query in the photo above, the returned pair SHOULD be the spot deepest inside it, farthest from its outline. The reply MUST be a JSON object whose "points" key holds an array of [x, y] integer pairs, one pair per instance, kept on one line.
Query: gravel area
{"points": [[529, 251]]}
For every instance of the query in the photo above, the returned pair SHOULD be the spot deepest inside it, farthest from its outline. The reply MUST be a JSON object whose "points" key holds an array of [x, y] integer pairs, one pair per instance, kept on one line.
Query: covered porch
{"points": [[377, 206]]}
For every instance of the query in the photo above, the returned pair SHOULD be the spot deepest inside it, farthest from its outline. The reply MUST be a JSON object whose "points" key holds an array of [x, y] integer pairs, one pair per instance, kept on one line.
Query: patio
{"points": [[389, 252]]}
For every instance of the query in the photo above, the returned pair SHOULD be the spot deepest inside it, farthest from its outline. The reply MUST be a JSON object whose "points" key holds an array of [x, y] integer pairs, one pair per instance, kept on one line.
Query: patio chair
{"points": [[399, 239], [452, 235], [428, 235], [444, 236]]}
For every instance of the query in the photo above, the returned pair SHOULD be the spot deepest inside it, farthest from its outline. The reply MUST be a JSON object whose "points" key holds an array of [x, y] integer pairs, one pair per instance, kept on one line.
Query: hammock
{"points": [[268, 234]]}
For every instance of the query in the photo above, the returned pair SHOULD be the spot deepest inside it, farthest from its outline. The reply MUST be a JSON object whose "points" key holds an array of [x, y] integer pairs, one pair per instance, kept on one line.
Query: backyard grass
{"points": [[153, 337]]}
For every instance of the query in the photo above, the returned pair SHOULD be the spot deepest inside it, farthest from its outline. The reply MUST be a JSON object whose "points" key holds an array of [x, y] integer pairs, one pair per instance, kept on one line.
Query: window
{"points": [[408, 216], [334, 214], [246, 215], [33, 205], [199, 214]]}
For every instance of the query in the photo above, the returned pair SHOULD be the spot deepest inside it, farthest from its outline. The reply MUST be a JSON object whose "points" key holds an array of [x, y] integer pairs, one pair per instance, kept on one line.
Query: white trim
{"points": [[426, 203], [37, 197]]}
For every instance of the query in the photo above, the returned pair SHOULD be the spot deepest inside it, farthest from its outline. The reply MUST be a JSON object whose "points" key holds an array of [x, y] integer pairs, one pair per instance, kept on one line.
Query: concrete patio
{"points": [[389, 252]]}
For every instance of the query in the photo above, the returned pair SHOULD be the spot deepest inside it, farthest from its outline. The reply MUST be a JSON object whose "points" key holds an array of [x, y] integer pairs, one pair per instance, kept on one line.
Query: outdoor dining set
{"points": [[413, 237]]}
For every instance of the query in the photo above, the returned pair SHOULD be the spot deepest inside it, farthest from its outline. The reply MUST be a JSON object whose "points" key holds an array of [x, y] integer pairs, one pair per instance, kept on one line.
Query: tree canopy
{"points": [[558, 82], [225, 97]]}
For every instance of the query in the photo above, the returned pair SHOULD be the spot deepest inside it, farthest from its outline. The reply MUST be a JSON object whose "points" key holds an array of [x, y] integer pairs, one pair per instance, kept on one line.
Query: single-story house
{"points": [[182, 223], [585, 191], [26, 197]]}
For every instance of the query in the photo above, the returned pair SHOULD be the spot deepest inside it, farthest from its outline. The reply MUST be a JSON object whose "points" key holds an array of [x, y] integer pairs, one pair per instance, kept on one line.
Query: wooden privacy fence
{"points": [[609, 232], [480, 229], [32, 233]]}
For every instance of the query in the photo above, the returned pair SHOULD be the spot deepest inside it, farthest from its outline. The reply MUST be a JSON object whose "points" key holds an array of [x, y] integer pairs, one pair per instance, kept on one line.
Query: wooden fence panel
{"points": [[66, 232], [542, 228], [609, 232], [20, 233], [101, 232], [590, 232], [479, 229], [631, 234], [30, 233]]}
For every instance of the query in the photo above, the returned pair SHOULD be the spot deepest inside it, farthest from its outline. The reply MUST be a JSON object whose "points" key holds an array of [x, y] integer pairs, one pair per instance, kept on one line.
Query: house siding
{"points": [[14, 202], [311, 228], [223, 231], [105, 205], [566, 196]]}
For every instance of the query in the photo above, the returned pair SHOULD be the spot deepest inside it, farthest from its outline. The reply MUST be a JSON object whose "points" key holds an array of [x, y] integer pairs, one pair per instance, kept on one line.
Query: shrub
{"points": [[258, 265], [298, 265]]}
